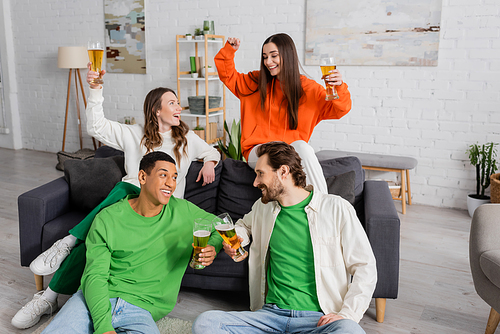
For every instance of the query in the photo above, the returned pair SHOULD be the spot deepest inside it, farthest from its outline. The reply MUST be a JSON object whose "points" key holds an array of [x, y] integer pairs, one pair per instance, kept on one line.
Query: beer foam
{"points": [[224, 227], [201, 233]]}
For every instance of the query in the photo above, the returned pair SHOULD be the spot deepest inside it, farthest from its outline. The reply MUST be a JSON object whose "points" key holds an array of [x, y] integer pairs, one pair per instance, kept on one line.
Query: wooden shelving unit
{"points": [[210, 77]]}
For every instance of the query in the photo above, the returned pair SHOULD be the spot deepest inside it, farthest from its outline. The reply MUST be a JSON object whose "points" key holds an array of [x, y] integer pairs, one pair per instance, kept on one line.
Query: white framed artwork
{"points": [[373, 32]]}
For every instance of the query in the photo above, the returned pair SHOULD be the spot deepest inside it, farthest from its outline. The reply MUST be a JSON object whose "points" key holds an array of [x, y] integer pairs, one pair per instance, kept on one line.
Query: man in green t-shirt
{"points": [[311, 266], [137, 252]]}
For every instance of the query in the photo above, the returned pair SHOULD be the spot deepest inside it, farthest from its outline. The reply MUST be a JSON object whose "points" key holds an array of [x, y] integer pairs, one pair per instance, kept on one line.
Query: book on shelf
{"points": [[213, 130]]}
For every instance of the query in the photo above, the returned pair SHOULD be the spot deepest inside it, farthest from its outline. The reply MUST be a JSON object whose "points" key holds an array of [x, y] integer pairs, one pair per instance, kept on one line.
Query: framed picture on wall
{"points": [[373, 32], [125, 36]]}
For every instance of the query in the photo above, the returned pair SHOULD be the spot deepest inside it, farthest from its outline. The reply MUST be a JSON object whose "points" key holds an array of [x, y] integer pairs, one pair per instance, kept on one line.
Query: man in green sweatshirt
{"points": [[137, 252]]}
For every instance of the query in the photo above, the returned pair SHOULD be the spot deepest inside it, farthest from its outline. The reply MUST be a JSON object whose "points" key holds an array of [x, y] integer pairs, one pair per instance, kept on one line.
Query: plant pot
{"points": [[495, 188], [213, 130], [200, 133], [203, 71], [474, 203]]}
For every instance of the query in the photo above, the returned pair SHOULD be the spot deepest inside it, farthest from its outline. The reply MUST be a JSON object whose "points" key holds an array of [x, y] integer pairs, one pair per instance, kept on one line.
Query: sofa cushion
{"points": [[337, 166], [203, 196], [107, 151], [236, 191], [342, 185], [90, 181], [490, 264]]}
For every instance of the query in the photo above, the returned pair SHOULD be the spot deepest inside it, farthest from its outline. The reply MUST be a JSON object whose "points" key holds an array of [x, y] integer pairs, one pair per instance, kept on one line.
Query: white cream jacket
{"points": [[340, 248]]}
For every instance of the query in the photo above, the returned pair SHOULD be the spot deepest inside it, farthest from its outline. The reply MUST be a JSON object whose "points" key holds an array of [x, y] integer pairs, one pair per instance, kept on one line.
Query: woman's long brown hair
{"points": [[289, 76], [152, 137]]}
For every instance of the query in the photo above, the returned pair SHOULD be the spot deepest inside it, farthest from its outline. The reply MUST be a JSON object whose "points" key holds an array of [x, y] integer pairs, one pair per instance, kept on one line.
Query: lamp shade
{"points": [[72, 57]]}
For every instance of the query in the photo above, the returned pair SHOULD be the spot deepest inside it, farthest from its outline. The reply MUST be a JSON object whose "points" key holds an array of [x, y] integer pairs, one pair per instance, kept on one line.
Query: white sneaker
{"points": [[50, 260], [30, 314]]}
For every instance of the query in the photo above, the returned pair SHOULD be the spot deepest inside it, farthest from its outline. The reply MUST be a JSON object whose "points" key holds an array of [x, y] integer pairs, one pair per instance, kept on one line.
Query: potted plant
{"points": [[233, 148], [198, 34], [206, 71], [483, 158], [200, 131], [189, 37]]}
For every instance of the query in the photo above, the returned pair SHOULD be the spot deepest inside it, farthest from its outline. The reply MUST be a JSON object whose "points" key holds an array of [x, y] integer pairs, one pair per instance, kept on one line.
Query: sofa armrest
{"points": [[484, 234], [382, 227], [36, 207]]}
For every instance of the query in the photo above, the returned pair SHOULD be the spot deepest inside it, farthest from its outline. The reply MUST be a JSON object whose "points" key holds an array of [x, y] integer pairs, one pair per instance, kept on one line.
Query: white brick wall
{"points": [[430, 113]]}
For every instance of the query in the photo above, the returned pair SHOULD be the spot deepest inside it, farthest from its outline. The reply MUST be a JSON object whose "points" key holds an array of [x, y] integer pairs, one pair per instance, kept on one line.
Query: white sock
{"points": [[70, 240], [50, 295]]}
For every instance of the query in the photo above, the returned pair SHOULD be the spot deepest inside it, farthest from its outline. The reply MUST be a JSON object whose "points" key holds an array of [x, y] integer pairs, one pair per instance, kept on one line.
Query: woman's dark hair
{"points": [[152, 137], [289, 76]]}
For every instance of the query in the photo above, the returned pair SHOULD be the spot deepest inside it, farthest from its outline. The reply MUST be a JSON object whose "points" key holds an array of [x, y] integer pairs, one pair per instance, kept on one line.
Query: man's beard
{"points": [[272, 192]]}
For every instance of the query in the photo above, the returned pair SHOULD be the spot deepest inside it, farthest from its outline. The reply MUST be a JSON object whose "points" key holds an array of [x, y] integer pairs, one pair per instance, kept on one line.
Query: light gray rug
{"points": [[166, 326]]}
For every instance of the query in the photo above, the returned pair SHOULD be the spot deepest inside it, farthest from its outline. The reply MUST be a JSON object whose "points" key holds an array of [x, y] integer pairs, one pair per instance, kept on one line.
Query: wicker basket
{"points": [[197, 104], [495, 188], [394, 188]]}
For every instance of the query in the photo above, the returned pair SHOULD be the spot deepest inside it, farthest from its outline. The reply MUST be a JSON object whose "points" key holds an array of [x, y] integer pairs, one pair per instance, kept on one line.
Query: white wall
{"points": [[10, 134], [430, 113]]}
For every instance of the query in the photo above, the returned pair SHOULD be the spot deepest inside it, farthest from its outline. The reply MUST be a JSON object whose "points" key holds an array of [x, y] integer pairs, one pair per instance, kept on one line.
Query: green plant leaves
{"points": [[483, 158], [233, 148]]}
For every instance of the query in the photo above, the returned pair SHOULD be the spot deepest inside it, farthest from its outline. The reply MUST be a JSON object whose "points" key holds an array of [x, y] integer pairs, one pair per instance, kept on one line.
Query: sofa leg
{"points": [[380, 309], [493, 321], [39, 282]]}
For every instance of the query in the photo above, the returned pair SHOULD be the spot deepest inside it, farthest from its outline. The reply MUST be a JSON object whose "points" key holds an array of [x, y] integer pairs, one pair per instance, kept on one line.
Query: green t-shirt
{"points": [[290, 273], [139, 259]]}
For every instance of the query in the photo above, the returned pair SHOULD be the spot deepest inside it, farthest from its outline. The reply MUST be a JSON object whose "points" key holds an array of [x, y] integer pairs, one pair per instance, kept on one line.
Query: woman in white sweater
{"points": [[163, 131]]}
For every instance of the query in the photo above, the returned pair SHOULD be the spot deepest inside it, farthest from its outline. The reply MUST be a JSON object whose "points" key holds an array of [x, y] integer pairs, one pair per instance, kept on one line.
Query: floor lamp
{"points": [[74, 58]]}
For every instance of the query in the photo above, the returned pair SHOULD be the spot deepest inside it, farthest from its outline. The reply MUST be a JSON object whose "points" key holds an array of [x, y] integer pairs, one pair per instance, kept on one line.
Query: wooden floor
{"points": [[436, 290]]}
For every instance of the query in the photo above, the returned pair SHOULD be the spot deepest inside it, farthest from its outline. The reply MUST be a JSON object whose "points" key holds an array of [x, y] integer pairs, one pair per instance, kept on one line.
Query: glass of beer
{"points": [[96, 52], [225, 226], [201, 233], [328, 64]]}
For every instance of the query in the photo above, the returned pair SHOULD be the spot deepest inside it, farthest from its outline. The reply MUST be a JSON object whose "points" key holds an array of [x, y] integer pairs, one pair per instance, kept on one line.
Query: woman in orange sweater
{"points": [[280, 104]]}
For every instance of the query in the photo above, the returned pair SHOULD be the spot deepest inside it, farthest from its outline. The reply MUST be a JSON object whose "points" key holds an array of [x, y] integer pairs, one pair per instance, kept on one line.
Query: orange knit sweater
{"points": [[261, 126]]}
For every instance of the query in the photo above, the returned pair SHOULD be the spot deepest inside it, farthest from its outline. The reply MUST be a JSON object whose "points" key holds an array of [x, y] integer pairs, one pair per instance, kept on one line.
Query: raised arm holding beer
{"points": [[278, 103]]}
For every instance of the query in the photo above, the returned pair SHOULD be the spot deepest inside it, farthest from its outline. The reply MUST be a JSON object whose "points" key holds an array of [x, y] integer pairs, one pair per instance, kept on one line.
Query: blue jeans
{"points": [[270, 319], [75, 317]]}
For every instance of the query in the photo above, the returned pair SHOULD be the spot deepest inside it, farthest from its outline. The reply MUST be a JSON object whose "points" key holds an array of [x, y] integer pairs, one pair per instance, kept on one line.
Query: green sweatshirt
{"points": [[139, 259]]}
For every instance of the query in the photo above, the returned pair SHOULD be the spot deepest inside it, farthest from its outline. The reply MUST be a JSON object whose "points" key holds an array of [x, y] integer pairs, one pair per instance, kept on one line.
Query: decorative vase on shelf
{"points": [[203, 71], [212, 28]]}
